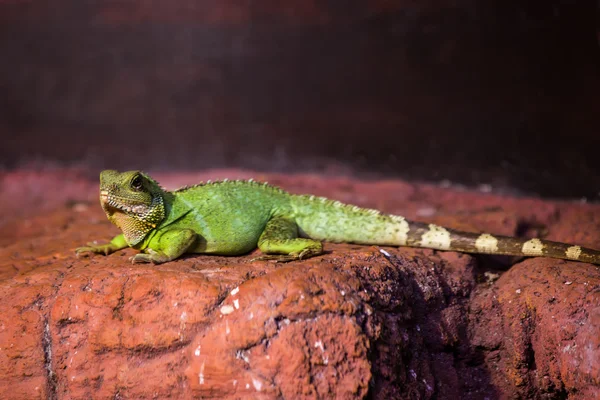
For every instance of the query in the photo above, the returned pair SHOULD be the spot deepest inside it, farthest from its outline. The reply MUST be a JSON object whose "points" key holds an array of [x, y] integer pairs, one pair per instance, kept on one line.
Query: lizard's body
{"points": [[234, 217]]}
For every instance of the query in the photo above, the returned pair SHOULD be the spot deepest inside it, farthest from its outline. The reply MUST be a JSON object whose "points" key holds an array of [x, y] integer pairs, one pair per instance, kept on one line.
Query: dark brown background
{"points": [[499, 92]]}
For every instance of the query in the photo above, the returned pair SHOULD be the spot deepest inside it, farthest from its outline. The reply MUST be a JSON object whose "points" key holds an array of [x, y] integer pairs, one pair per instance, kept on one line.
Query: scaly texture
{"points": [[234, 217]]}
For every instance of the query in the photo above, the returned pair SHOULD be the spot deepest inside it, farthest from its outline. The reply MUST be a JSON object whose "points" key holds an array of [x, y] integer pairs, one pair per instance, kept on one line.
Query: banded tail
{"points": [[323, 219]]}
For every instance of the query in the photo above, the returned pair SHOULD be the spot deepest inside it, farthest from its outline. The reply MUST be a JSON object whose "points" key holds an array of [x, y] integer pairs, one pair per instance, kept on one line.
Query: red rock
{"points": [[348, 324], [548, 334]]}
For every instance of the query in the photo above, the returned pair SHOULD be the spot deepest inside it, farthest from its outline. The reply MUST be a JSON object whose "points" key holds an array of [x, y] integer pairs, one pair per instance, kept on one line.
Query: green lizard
{"points": [[234, 217]]}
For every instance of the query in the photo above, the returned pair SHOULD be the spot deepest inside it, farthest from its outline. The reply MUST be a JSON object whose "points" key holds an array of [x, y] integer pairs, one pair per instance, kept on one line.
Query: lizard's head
{"points": [[132, 201]]}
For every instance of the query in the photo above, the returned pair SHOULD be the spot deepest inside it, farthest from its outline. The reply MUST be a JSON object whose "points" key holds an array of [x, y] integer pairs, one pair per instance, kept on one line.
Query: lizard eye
{"points": [[136, 182]]}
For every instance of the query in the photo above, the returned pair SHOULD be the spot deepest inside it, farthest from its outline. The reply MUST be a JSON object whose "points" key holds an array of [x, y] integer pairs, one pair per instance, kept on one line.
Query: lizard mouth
{"points": [[112, 204]]}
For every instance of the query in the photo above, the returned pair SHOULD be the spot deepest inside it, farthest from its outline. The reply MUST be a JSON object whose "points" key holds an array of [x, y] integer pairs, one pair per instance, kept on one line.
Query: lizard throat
{"points": [[135, 221]]}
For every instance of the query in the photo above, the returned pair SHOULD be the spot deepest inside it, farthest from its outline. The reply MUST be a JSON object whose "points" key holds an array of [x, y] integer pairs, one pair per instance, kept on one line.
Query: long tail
{"points": [[324, 219]]}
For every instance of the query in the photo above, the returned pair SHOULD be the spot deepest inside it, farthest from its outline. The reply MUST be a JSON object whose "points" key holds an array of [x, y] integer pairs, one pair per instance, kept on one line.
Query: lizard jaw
{"points": [[111, 206]]}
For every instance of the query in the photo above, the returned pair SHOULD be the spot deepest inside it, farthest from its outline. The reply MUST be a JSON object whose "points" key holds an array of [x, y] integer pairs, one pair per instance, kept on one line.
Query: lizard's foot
{"points": [[172, 244], [306, 253], [151, 256], [279, 242], [93, 248], [276, 257]]}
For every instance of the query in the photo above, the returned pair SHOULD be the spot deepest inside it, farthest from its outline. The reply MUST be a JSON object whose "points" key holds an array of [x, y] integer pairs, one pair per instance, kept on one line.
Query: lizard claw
{"points": [[268, 257], [151, 256], [306, 253], [83, 252], [95, 248], [90, 248], [140, 259], [278, 258]]}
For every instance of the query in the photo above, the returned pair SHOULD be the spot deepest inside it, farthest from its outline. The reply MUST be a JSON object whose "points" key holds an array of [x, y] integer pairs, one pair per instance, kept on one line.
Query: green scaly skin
{"points": [[234, 217]]}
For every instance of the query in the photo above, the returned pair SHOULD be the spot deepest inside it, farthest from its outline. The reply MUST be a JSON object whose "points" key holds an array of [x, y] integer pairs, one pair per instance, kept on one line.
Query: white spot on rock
{"points": [[235, 291], [80, 207], [241, 355], [426, 212], [486, 243], [319, 345], [257, 384], [197, 351], [236, 303], [201, 374], [490, 276], [427, 386], [227, 309]]}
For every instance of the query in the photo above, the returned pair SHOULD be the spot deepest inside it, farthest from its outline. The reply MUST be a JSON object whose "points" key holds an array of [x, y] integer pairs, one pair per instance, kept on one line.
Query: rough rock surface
{"points": [[354, 323]]}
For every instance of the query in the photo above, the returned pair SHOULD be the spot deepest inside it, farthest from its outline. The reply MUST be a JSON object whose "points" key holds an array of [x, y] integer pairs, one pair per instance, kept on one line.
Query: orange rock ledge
{"points": [[354, 323]]}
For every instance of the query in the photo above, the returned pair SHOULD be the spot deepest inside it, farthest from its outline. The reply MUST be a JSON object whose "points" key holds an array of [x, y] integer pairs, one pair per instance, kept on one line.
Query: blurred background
{"points": [[503, 94]]}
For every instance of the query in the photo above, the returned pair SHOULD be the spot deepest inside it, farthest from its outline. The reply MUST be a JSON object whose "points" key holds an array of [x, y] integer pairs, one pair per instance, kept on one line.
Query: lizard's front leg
{"points": [[117, 243], [166, 246], [281, 237]]}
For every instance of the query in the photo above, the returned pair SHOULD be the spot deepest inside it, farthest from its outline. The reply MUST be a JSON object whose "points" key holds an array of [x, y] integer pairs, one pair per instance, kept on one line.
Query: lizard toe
{"points": [[140, 259]]}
